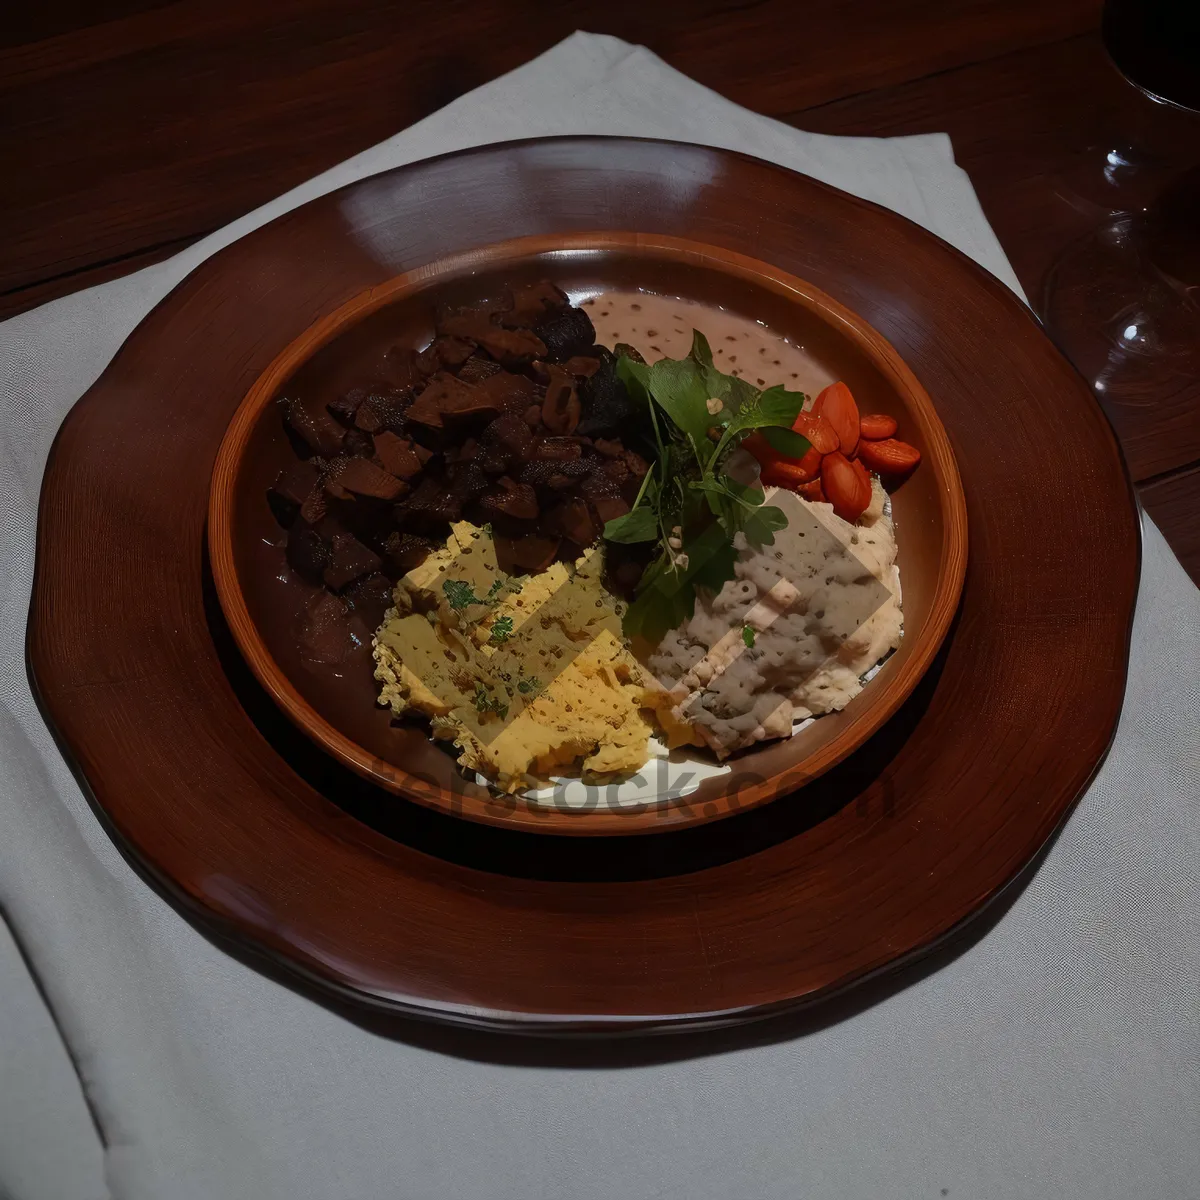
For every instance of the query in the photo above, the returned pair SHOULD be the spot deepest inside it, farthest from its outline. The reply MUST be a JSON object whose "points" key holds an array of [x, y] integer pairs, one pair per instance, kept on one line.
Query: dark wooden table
{"points": [[129, 128]]}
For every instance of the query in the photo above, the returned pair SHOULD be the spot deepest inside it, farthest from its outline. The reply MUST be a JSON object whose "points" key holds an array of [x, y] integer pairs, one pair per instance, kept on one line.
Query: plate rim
{"points": [[141, 855]]}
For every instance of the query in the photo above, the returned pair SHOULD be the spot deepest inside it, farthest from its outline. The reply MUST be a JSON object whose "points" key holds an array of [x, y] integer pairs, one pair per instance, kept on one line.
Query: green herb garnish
{"points": [[485, 702], [458, 594], [526, 686], [501, 628], [688, 502], [748, 635]]}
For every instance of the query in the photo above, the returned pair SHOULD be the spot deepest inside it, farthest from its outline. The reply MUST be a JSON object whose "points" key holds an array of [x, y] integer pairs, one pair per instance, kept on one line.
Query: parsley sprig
{"points": [[689, 503]]}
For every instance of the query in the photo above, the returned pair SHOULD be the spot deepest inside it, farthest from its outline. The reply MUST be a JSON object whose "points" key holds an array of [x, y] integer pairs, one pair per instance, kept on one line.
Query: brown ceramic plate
{"points": [[264, 600], [265, 839]]}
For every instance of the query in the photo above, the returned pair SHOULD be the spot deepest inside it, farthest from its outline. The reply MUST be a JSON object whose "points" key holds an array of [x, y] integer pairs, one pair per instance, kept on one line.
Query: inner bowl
{"points": [[335, 705]]}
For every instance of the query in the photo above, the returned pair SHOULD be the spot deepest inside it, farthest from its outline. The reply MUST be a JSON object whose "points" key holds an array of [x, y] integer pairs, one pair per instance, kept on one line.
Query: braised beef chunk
{"points": [[344, 407], [349, 560], [606, 406], [574, 521], [513, 393], [291, 489], [525, 555], [448, 397], [315, 506], [529, 305], [430, 508], [560, 408], [404, 551], [582, 366], [567, 332], [381, 409], [311, 428], [477, 368], [397, 456], [307, 552], [361, 477], [511, 499], [511, 415], [444, 352], [511, 347]]}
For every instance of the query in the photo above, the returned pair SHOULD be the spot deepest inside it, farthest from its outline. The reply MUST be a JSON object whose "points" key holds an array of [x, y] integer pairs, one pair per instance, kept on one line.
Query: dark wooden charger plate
{"points": [[261, 837]]}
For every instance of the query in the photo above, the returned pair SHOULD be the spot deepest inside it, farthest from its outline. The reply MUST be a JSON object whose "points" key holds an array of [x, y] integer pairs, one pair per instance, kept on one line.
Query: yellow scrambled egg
{"points": [[528, 675]]}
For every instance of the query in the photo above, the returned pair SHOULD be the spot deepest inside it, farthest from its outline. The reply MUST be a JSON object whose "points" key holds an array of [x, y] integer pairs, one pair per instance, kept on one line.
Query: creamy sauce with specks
{"points": [[661, 327]]}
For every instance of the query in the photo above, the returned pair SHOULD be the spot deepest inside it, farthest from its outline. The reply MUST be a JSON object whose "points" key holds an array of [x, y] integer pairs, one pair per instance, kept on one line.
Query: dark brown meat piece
{"points": [[430, 507], [447, 396], [350, 560], [315, 506], [361, 477], [567, 333], [607, 407], [531, 304], [512, 499], [560, 408], [511, 434], [311, 428], [307, 552], [380, 410], [557, 449], [520, 555], [358, 444], [511, 347], [609, 448], [582, 366], [344, 407], [574, 520], [476, 369], [513, 393], [541, 473], [291, 488], [404, 551], [444, 352], [609, 508], [397, 456]]}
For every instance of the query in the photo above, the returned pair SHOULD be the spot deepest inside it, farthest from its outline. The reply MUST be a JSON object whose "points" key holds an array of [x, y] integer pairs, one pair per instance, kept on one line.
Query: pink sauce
{"points": [[661, 327]]}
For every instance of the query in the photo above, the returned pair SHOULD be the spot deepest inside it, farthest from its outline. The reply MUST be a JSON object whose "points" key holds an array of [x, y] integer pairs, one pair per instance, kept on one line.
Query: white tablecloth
{"points": [[1057, 1056]]}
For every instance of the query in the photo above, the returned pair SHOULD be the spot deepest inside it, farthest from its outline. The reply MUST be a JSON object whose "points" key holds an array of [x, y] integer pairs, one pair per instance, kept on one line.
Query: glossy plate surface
{"points": [[265, 839]]}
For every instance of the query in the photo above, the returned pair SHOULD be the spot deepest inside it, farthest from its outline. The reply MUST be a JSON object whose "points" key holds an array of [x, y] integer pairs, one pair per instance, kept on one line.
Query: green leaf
{"points": [[638, 525], [748, 636], [502, 627], [733, 391], [628, 351], [458, 594], [740, 493], [786, 441], [760, 525], [635, 375], [780, 406], [677, 385], [775, 406], [701, 351]]}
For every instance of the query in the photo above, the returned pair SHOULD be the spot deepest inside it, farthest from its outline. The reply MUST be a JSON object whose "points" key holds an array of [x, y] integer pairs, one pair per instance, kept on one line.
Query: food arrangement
{"points": [[570, 553]]}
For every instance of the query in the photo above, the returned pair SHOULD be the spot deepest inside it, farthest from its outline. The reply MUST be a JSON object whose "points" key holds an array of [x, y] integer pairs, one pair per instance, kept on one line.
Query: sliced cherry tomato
{"points": [[836, 404]]}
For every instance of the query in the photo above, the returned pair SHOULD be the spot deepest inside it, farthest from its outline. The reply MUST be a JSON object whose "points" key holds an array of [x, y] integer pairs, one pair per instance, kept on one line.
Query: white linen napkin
{"points": [[1056, 1056]]}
